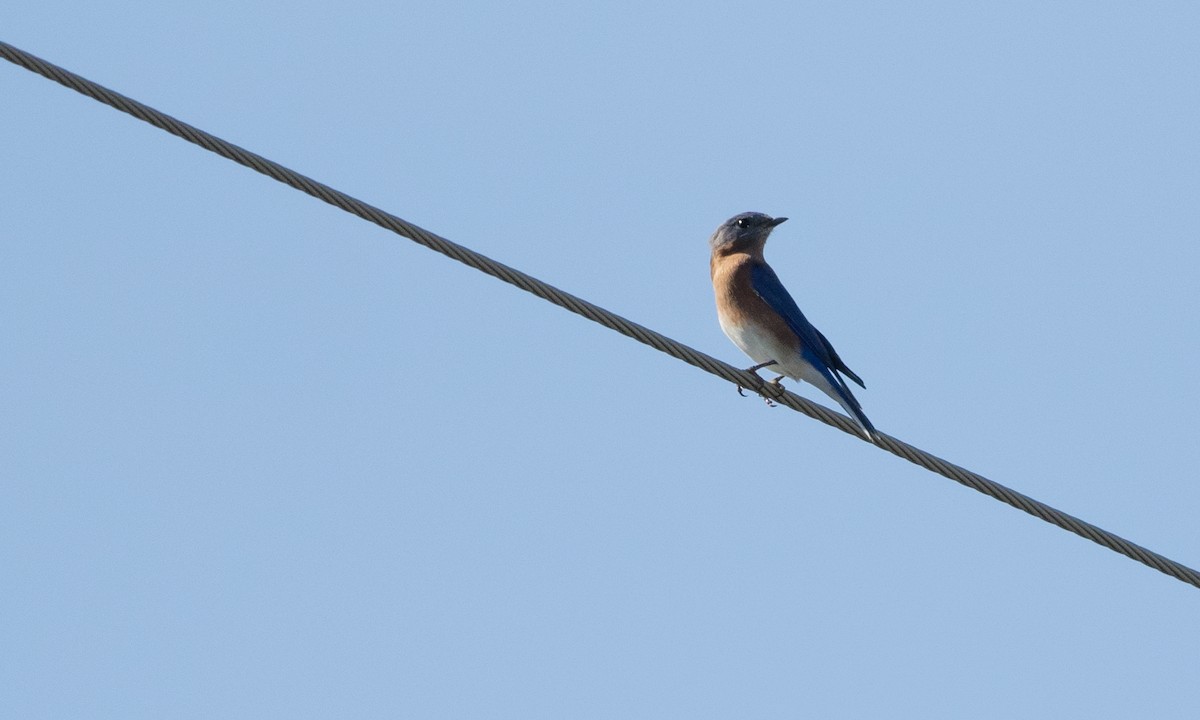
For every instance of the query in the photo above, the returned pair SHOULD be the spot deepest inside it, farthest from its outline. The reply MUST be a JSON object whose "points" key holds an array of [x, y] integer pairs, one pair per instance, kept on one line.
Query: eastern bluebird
{"points": [[762, 319]]}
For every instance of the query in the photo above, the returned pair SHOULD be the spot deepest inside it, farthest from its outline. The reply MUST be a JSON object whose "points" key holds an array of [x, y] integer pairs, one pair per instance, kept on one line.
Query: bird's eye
{"points": [[744, 222]]}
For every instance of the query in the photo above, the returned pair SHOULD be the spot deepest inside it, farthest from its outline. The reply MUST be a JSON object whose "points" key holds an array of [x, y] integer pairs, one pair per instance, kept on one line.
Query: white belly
{"points": [[763, 346]]}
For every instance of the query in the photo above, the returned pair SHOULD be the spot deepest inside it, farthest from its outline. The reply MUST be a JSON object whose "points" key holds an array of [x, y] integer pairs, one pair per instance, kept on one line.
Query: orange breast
{"points": [[739, 306]]}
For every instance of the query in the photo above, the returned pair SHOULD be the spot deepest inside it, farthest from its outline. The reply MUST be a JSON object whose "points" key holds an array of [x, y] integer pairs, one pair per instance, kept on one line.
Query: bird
{"points": [[761, 318]]}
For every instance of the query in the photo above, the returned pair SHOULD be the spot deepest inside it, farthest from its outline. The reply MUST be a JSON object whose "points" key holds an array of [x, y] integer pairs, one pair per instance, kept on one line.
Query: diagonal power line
{"points": [[593, 312]]}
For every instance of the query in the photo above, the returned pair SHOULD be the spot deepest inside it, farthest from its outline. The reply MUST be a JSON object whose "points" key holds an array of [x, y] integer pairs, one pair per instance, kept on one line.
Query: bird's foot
{"points": [[777, 386], [762, 388], [770, 403]]}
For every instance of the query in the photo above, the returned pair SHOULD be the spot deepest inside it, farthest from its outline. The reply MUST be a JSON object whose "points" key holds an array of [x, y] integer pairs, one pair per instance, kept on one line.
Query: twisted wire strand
{"points": [[594, 312]]}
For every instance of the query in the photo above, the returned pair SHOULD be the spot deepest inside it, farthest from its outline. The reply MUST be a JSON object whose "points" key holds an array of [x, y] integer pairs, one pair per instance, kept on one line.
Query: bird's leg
{"points": [[755, 370]]}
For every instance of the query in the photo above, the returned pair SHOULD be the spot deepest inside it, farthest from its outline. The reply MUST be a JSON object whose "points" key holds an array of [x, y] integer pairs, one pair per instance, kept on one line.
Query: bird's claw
{"points": [[761, 390], [770, 403], [779, 391]]}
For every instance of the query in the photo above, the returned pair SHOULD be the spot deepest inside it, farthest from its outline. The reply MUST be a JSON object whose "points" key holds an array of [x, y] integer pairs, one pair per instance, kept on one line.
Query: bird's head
{"points": [[745, 232]]}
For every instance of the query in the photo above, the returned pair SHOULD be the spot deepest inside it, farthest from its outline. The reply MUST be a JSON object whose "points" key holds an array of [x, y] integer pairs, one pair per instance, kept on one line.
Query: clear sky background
{"points": [[259, 458]]}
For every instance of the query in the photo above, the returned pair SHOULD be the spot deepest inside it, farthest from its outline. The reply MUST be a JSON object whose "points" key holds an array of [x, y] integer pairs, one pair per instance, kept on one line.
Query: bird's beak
{"points": [[778, 221]]}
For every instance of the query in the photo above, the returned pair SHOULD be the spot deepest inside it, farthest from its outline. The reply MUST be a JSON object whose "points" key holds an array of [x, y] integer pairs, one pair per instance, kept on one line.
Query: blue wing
{"points": [[766, 284], [817, 350]]}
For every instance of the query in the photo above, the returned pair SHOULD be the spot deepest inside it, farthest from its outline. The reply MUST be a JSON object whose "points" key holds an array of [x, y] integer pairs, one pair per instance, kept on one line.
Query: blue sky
{"points": [[262, 459]]}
